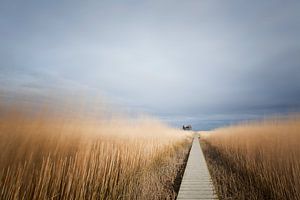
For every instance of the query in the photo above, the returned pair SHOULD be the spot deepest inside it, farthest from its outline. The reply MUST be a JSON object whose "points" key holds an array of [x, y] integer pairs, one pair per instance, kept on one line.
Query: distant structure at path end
{"points": [[187, 127]]}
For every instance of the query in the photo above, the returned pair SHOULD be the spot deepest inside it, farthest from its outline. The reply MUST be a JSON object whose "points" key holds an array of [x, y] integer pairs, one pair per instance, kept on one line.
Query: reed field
{"points": [[64, 156], [257, 160]]}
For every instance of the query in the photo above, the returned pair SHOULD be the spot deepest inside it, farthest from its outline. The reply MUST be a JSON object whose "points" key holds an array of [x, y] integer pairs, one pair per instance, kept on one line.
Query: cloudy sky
{"points": [[203, 62]]}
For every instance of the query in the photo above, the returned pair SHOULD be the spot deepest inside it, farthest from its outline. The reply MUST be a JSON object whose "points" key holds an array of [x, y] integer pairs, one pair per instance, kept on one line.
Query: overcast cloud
{"points": [[208, 62]]}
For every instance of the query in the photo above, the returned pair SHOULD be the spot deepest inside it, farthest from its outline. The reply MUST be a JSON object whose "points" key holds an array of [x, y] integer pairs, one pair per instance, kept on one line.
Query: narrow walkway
{"points": [[196, 182]]}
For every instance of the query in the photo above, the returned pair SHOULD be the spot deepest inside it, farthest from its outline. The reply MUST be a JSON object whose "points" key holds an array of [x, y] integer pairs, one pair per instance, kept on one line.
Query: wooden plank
{"points": [[196, 182]]}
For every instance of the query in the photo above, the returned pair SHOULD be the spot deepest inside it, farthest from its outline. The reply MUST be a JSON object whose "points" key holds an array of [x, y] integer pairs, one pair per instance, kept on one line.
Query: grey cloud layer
{"points": [[170, 58]]}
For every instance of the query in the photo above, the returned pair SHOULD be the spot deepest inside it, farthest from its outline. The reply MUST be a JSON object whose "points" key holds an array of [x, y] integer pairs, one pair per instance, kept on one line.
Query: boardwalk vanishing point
{"points": [[196, 182]]}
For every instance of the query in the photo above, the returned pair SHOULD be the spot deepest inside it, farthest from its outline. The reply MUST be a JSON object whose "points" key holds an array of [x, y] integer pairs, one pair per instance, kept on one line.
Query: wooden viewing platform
{"points": [[196, 182]]}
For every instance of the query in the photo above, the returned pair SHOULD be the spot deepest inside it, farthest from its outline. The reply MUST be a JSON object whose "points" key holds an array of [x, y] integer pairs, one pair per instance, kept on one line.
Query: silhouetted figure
{"points": [[187, 127]]}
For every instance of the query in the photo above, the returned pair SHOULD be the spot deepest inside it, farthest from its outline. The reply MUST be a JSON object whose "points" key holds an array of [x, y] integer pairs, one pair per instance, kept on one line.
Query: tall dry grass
{"points": [[258, 160], [46, 156]]}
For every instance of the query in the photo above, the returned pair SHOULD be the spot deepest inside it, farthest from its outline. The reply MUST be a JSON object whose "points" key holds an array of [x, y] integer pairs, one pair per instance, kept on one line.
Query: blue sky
{"points": [[207, 62]]}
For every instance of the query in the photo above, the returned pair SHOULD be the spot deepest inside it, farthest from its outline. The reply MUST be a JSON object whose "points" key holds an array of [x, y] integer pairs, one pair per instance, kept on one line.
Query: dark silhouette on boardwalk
{"points": [[187, 127]]}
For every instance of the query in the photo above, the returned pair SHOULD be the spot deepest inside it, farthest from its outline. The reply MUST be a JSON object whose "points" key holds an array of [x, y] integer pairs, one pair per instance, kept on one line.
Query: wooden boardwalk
{"points": [[196, 182]]}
